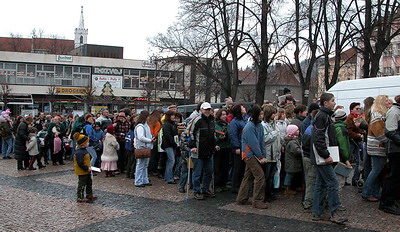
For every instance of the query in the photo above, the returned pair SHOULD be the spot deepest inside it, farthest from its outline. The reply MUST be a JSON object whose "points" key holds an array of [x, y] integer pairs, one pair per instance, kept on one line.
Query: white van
{"points": [[357, 90]]}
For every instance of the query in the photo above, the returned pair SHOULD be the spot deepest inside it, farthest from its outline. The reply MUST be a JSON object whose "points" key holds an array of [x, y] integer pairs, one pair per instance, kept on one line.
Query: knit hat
{"points": [[312, 107], [81, 139], [291, 130], [110, 129], [121, 114], [340, 115]]}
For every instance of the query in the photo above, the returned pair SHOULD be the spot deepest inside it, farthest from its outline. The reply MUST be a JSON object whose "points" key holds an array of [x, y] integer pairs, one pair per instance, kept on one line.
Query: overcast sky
{"points": [[126, 23]]}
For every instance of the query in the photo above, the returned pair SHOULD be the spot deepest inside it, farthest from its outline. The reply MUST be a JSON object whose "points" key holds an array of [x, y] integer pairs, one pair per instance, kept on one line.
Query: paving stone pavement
{"points": [[44, 200]]}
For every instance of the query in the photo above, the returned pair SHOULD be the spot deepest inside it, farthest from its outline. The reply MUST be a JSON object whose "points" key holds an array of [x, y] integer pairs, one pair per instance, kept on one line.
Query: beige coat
{"points": [[32, 145], [110, 148]]}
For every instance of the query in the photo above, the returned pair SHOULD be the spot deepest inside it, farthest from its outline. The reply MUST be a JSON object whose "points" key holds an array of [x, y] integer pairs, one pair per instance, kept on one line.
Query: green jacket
{"points": [[221, 134], [342, 136]]}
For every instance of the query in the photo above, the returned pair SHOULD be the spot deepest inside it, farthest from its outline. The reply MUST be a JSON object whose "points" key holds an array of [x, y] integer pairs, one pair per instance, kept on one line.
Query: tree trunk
{"points": [[263, 64]]}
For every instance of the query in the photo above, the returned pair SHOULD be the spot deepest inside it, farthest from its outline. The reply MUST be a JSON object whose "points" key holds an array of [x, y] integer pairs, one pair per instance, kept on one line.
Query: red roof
{"points": [[46, 45], [280, 75], [348, 56]]}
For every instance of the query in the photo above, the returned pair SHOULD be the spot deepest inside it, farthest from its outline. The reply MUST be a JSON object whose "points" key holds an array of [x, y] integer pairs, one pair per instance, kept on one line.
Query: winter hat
{"points": [[340, 115], [291, 130], [81, 139], [111, 130], [122, 114], [312, 107]]}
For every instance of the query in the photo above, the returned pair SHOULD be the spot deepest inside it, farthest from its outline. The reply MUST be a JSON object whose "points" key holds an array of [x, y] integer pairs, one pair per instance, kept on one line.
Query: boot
{"points": [[91, 197], [31, 162], [288, 191], [19, 165]]}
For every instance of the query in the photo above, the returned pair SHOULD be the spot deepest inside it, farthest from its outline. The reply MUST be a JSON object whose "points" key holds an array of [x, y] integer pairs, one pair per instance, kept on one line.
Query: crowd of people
{"points": [[268, 150]]}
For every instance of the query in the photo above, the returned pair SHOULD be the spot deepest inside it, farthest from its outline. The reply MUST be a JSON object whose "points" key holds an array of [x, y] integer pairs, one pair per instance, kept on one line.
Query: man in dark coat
{"points": [[22, 136]]}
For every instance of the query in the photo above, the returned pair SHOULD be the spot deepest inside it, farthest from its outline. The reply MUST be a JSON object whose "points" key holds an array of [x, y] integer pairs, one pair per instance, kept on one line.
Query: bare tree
{"points": [[16, 43], [88, 97], [5, 91], [376, 24], [51, 93]]}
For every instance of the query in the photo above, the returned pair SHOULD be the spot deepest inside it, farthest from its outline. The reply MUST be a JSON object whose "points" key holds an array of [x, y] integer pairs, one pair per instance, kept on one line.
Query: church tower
{"points": [[81, 33]]}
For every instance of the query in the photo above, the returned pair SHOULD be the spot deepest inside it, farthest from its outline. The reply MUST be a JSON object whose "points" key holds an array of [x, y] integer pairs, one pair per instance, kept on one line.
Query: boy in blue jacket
{"points": [[129, 152]]}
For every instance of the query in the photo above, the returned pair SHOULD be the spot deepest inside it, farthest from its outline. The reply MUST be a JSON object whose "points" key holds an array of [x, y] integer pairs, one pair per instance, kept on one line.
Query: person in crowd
{"points": [[376, 147], [326, 183], [300, 112], [104, 119], [169, 144], [96, 141], [293, 157], [221, 157], [83, 169], [6, 134], [185, 162], [32, 149], [253, 153], [181, 126], [356, 135], [129, 151], [203, 147], [308, 166], [121, 129], [312, 109], [390, 198], [281, 123], [143, 140], [342, 137], [154, 122], [40, 121], [22, 136], [43, 148], [89, 132], [289, 113], [272, 145], [235, 136], [54, 141], [109, 157], [228, 105], [366, 164]]}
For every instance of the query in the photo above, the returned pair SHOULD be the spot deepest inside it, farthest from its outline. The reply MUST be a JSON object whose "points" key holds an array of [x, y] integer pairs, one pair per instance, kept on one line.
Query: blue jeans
{"points": [[141, 173], [93, 154], [356, 148], [202, 166], [288, 179], [371, 186], [6, 146], [184, 175], [169, 167], [325, 184]]}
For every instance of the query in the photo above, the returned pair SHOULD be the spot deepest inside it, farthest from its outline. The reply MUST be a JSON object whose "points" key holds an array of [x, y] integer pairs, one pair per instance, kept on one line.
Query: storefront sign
{"points": [[146, 99], [98, 81], [108, 71], [148, 64], [64, 58], [70, 91]]}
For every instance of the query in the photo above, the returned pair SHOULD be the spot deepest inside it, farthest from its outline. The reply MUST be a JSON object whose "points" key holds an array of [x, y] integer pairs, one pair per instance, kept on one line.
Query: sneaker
{"points": [[171, 182], [316, 217], [181, 190], [91, 197], [338, 218], [84, 200], [260, 205], [371, 199], [149, 184], [209, 194], [198, 196], [140, 186], [341, 208]]}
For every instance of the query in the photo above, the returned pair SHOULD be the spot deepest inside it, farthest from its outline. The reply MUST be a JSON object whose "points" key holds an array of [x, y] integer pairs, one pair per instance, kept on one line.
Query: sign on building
{"points": [[64, 58], [107, 71], [98, 81], [70, 91]]}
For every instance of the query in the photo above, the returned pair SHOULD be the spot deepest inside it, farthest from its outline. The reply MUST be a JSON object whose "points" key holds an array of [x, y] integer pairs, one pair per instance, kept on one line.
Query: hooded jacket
{"points": [[203, 137]]}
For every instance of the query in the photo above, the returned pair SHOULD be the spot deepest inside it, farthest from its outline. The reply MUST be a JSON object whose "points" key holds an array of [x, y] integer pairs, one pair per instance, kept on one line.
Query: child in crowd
{"points": [[42, 145], [293, 157], [83, 169], [109, 157], [32, 148], [185, 162], [342, 136], [129, 152]]}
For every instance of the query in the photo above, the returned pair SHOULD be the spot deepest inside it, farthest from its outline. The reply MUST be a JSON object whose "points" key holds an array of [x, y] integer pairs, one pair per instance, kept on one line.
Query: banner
{"points": [[98, 81]]}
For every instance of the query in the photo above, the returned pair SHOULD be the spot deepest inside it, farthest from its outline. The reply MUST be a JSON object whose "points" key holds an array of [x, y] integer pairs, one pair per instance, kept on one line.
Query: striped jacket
{"points": [[376, 140]]}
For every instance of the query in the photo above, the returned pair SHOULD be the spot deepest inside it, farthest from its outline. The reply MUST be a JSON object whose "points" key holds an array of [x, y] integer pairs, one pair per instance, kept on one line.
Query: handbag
{"points": [[142, 153]]}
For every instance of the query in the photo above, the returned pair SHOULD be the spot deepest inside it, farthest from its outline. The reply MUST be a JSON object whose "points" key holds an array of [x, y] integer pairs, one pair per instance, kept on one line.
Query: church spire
{"points": [[81, 22], [81, 33]]}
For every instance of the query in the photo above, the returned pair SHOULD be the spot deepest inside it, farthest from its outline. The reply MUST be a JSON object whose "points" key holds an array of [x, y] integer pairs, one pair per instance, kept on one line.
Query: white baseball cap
{"points": [[205, 106]]}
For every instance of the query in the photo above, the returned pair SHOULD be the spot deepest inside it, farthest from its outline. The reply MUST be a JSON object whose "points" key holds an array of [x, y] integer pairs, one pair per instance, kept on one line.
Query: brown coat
{"points": [[354, 132]]}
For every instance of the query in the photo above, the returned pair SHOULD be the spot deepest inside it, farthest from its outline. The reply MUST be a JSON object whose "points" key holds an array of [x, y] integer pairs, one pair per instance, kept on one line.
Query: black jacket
{"points": [[169, 132], [323, 126], [203, 136], [22, 135]]}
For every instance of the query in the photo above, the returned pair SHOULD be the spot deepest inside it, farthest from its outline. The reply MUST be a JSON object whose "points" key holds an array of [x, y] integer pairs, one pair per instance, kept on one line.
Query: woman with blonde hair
{"points": [[376, 147]]}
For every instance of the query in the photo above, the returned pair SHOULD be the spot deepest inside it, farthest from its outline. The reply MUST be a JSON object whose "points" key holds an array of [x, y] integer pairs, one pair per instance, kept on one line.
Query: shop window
{"points": [[127, 82], [59, 71], [66, 82], [76, 69], [30, 70], [10, 66], [48, 68], [85, 70]]}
